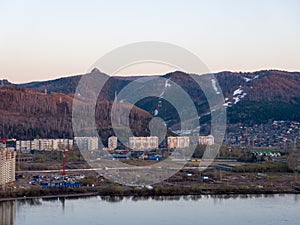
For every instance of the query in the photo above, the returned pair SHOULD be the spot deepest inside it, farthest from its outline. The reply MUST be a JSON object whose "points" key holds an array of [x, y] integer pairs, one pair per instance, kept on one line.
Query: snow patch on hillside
{"points": [[227, 104], [237, 95], [238, 91], [161, 96], [247, 79], [214, 85]]}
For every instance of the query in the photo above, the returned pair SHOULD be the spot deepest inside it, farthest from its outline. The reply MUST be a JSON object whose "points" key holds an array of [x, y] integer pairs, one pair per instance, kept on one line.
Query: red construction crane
{"points": [[63, 173], [64, 158]]}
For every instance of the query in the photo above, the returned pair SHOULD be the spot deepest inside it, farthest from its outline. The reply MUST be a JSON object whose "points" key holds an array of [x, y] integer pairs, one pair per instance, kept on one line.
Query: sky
{"points": [[41, 40]]}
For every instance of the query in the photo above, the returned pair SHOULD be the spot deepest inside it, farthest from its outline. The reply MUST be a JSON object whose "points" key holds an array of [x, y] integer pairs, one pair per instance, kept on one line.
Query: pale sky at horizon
{"points": [[45, 40]]}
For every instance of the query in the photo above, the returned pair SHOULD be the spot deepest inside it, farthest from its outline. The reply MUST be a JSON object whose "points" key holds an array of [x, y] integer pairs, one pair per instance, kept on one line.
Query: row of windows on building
{"points": [[44, 144], [92, 143], [143, 143], [86, 143]]}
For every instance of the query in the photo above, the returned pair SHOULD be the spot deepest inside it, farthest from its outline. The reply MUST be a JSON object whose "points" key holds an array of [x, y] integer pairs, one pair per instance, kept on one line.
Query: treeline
{"points": [[227, 152], [252, 112], [264, 167], [28, 114]]}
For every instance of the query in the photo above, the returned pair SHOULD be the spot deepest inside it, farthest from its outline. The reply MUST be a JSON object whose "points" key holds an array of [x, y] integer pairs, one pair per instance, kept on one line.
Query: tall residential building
{"points": [[87, 143], [179, 142], [143, 143], [112, 142], [206, 140], [7, 166]]}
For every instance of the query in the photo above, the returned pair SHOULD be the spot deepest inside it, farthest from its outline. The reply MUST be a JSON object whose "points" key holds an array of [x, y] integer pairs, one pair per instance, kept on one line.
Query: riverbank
{"points": [[117, 190]]}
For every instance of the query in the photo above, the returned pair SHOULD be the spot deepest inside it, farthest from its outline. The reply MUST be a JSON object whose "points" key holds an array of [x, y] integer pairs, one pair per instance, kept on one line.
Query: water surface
{"points": [[183, 210]]}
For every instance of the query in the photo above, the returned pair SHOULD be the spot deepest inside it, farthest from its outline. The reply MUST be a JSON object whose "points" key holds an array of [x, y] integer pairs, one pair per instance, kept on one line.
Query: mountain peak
{"points": [[95, 70], [4, 82]]}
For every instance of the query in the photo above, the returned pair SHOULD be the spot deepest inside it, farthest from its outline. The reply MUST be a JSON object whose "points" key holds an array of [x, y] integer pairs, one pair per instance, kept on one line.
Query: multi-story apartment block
{"points": [[87, 143], [60, 144], [44, 144], [112, 142], [178, 142], [143, 143], [206, 140]]}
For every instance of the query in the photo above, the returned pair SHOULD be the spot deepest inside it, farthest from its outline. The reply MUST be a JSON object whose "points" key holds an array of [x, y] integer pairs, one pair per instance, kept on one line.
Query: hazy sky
{"points": [[48, 39]]}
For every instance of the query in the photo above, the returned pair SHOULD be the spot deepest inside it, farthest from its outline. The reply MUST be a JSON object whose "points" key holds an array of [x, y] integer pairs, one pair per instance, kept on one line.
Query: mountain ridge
{"points": [[250, 97]]}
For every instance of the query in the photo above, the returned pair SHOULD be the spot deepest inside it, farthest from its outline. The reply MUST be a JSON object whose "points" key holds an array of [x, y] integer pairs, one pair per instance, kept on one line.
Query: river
{"points": [[181, 210]]}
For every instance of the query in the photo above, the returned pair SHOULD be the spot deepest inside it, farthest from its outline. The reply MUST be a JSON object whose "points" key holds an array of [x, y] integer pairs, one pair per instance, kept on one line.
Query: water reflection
{"points": [[188, 197], [30, 202], [11, 211], [7, 212]]}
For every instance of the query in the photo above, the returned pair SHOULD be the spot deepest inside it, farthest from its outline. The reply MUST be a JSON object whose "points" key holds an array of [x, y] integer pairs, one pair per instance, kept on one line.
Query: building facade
{"points": [[44, 144], [143, 143], [112, 142], [87, 143], [60, 144], [7, 166], [24, 145], [206, 140], [178, 142]]}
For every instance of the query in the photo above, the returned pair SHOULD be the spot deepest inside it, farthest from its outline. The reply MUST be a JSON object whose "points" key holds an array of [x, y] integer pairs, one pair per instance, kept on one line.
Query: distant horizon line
{"points": [[152, 74]]}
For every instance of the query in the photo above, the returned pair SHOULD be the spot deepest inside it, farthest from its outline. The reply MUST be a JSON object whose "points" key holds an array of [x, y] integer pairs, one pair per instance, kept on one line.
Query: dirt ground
{"points": [[189, 176]]}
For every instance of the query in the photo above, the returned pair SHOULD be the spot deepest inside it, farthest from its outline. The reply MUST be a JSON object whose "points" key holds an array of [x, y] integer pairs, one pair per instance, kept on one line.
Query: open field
{"points": [[241, 177]]}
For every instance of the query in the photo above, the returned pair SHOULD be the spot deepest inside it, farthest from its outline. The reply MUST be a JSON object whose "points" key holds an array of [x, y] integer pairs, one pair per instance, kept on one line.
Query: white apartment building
{"points": [[112, 142], [7, 166], [25, 145], [87, 143], [44, 144], [178, 142], [60, 144], [143, 143], [206, 140]]}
